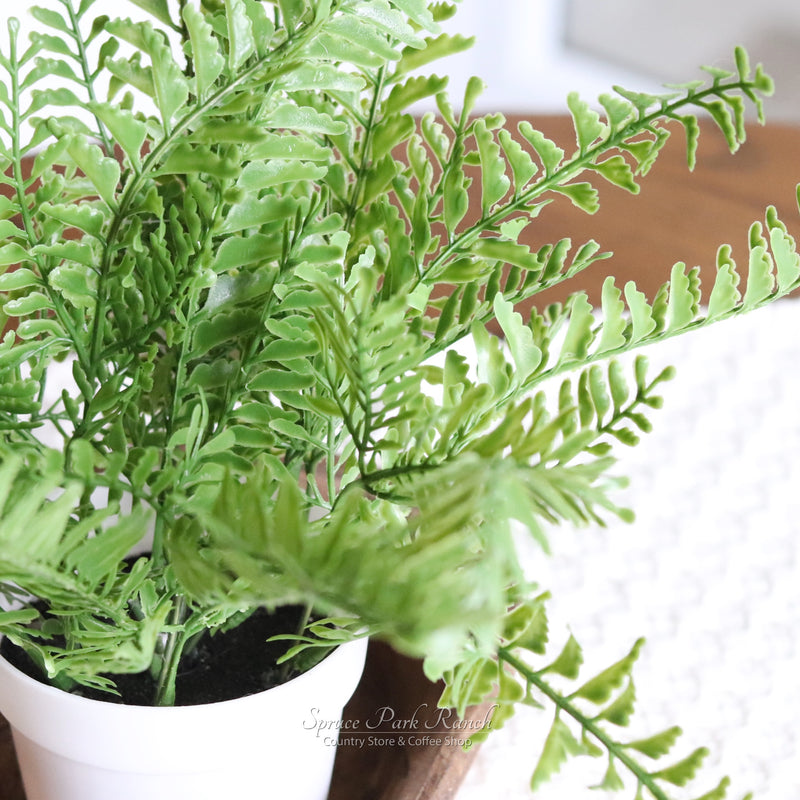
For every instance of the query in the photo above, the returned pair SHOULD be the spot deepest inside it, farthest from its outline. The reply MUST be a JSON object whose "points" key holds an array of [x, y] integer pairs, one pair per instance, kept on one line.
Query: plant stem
{"points": [[614, 748], [19, 188], [366, 148], [570, 170], [301, 626], [173, 649], [83, 58]]}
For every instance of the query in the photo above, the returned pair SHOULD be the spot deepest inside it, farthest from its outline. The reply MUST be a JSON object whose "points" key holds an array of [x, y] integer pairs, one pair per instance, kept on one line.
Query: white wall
{"points": [[666, 40], [519, 52], [532, 52]]}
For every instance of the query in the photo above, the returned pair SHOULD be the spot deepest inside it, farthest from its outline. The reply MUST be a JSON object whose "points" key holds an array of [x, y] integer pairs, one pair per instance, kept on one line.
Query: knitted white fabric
{"points": [[709, 573]]}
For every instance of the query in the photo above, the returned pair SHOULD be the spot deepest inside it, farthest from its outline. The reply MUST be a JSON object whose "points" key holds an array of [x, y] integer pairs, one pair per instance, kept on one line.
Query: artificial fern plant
{"points": [[257, 269]]}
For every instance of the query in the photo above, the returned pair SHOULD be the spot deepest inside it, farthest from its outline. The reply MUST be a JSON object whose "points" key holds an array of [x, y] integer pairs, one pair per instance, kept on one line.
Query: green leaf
{"points": [[263, 26], [683, 771], [725, 295], [641, 313], [599, 689], [168, 84], [786, 257], [103, 172], [618, 385], [618, 171], [292, 431], [223, 327], [240, 34], [526, 626], [611, 780], [522, 165], [128, 71], [412, 91], [721, 114], [620, 710], [455, 197], [81, 252], [335, 48], [99, 557], [443, 45], [186, 158], [84, 217], [240, 251], [494, 182], [30, 304], [569, 660], [362, 36], [391, 132], [657, 745], [127, 131], [419, 12], [612, 335], [259, 175], [599, 392], [306, 119], [253, 213], [760, 277], [618, 111], [380, 14], [684, 297], [527, 356], [287, 147], [474, 89], [558, 747], [578, 337], [720, 792], [13, 254], [158, 8], [320, 77], [206, 57], [52, 18], [548, 151], [280, 380], [582, 194], [509, 252], [18, 279], [588, 127], [292, 12], [76, 284]]}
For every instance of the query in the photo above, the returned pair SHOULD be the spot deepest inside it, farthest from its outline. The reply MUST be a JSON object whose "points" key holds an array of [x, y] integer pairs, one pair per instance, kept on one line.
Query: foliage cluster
{"points": [[258, 269]]}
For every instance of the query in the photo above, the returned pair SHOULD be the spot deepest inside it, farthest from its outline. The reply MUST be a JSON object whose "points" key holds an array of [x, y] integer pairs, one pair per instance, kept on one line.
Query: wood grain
{"points": [[678, 215], [10, 781], [401, 766]]}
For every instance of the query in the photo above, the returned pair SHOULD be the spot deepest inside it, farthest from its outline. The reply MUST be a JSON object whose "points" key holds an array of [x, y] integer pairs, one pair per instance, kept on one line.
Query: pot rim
{"points": [[50, 717]]}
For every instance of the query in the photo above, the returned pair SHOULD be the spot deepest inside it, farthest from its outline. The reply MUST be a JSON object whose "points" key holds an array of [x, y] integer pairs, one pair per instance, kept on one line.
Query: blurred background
{"points": [[532, 52]]}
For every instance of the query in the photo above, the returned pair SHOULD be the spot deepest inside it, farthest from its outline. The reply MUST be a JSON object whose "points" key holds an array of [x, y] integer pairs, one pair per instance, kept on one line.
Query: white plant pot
{"points": [[279, 743]]}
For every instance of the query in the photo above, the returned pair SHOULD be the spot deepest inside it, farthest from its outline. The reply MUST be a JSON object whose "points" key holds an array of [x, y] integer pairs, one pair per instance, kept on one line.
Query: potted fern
{"points": [[238, 275]]}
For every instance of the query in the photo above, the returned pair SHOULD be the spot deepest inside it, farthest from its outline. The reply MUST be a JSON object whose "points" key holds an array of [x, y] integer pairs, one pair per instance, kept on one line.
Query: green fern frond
{"points": [[586, 718], [75, 570], [407, 578]]}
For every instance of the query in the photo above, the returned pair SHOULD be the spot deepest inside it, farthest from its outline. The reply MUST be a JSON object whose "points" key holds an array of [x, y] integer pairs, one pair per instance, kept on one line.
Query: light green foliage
{"points": [[589, 716], [255, 266]]}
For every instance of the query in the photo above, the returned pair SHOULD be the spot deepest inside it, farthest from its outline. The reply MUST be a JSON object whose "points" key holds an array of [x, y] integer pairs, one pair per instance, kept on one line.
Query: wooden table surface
{"points": [[678, 216]]}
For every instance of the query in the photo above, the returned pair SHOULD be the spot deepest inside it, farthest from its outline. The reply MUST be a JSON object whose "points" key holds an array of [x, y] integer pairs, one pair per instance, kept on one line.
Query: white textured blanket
{"points": [[709, 573]]}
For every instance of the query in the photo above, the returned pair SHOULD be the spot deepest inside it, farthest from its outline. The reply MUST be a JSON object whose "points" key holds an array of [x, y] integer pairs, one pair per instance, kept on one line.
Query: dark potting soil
{"points": [[222, 666]]}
